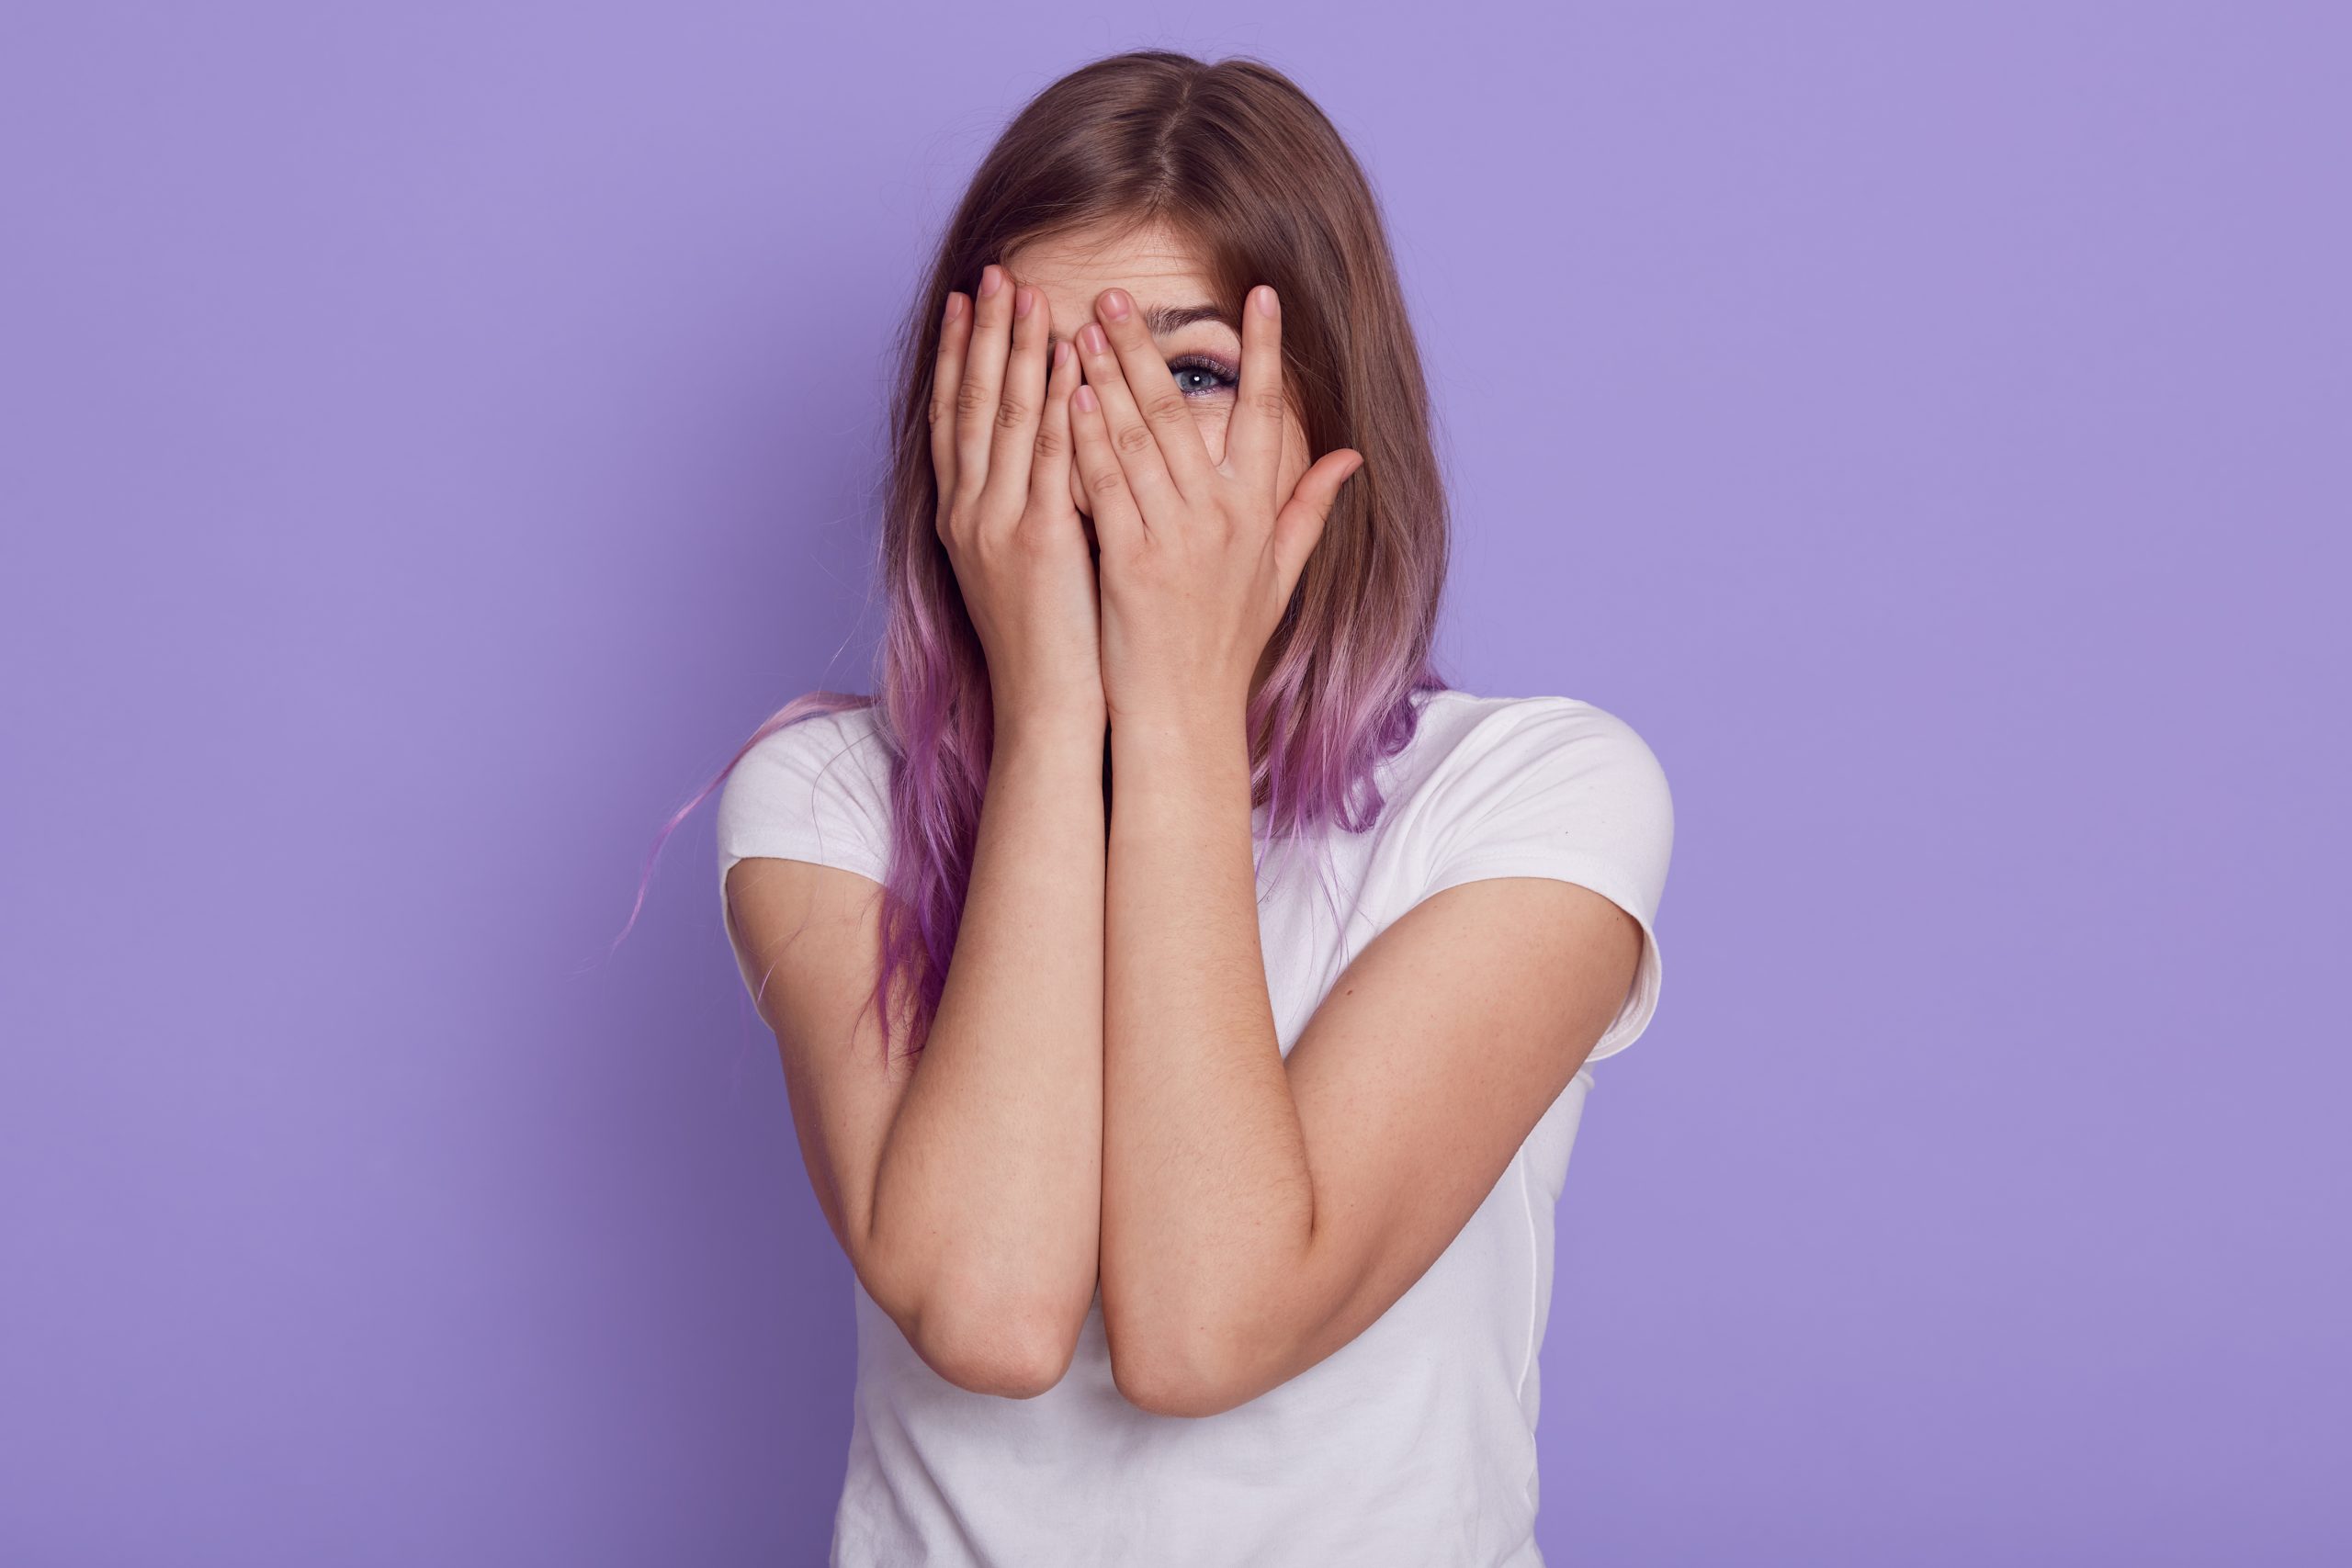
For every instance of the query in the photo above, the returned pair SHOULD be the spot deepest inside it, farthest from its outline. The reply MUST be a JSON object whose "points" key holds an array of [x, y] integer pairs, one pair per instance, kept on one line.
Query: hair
{"points": [[1233, 157]]}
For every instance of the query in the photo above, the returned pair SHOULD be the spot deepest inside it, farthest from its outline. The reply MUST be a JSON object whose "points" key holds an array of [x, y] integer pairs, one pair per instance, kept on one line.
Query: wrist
{"points": [[1205, 711], [1073, 725], [1178, 736]]}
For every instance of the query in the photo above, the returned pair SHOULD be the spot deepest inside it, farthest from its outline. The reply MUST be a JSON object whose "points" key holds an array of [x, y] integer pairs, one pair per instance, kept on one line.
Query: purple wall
{"points": [[432, 439]]}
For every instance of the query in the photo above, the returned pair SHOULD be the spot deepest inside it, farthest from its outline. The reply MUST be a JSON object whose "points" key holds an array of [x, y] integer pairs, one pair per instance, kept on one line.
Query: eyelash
{"points": [[1228, 377]]}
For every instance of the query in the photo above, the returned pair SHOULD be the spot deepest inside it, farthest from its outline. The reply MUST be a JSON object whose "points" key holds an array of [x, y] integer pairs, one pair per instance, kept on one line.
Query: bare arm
{"points": [[967, 1190], [965, 1187], [1259, 1212]]}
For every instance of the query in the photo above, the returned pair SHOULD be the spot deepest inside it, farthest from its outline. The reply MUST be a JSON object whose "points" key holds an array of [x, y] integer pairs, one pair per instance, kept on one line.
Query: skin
{"points": [[1104, 1099], [1157, 269]]}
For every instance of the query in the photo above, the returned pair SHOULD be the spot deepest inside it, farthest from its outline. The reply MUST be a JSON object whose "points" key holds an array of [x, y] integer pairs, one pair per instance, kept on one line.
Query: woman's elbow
{"points": [[1015, 1350], [1167, 1379], [985, 1336]]}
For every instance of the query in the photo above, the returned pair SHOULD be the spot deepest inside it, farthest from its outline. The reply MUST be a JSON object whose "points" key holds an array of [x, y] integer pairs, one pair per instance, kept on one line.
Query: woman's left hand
{"points": [[1198, 556]]}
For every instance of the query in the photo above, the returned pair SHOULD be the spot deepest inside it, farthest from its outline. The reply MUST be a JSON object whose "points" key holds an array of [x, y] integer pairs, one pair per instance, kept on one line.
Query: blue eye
{"points": [[1198, 375]]}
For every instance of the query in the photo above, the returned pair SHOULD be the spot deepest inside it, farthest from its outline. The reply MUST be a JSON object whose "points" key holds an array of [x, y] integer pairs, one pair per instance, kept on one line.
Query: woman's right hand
{"points": [[1000, 449]]}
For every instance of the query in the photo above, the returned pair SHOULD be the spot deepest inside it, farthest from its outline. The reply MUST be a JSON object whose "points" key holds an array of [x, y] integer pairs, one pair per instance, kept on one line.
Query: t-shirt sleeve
{"points": [[817, 789], [1550, 786]]}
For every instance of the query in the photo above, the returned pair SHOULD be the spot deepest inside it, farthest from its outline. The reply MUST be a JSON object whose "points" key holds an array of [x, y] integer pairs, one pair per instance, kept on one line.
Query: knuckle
{"points": [[976, 520], [1269, 403], [972, 398], [1105, 479], [1164, 407], [1010, 415], [1134, 439], [1051, 443]]}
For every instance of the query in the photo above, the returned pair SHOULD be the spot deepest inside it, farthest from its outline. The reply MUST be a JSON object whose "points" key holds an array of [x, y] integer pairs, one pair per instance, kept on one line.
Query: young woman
{"points": [[1185, 994]]}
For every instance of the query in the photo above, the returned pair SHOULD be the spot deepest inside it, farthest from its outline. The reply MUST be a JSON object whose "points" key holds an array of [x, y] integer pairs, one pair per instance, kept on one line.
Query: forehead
{"points": [[1154, 263]]}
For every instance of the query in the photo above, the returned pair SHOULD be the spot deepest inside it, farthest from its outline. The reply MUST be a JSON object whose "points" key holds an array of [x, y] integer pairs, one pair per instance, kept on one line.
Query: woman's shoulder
{"points": [[825, 731], [1462, 729], [843, 746], [1544, 786], [1492, 771], [821, 779]]}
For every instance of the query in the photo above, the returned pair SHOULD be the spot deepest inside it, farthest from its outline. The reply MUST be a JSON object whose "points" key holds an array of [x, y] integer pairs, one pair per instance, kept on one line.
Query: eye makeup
{"points": [[1200, 375], [1222, 375]]}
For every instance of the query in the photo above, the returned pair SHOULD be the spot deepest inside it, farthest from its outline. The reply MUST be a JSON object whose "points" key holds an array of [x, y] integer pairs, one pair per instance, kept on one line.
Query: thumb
{"points": [[1298, 526]]}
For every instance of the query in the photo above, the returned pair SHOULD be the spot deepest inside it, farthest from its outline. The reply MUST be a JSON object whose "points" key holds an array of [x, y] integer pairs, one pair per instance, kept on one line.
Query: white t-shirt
{"points": [[1414, 1443]]}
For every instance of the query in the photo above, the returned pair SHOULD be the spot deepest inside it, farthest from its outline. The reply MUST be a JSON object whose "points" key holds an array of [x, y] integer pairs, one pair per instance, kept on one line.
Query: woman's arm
{"points": [[986, 1215], [964, 1188], [968, 1191], [1258, 1212]]}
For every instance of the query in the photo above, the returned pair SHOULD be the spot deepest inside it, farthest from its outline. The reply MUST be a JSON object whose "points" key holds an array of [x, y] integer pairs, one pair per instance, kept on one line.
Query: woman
{"points": [[1185, 996]]}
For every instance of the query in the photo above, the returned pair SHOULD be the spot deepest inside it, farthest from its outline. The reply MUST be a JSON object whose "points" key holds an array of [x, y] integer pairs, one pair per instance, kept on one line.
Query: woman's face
{"points": [[1202, 348]]}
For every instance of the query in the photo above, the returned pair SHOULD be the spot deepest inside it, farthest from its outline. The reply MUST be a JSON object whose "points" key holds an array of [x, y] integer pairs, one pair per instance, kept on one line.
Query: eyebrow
{"points": [[1165, 318]]}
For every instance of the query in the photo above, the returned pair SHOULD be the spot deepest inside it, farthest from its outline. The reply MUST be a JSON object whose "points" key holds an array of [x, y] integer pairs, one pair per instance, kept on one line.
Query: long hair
{"points": [[1234, 157]]}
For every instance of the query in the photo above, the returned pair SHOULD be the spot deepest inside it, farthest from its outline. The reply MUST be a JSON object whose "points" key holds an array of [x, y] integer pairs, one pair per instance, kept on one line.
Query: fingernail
{"points": [[992, 279], [1024, 300], [1114, 304], [1084, 397], [1265, 299], [1061, 353], [1091, 336], [954, 309]]}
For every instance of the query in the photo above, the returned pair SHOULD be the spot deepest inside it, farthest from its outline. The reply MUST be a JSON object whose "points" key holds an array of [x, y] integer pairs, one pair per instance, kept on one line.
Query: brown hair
{"points": [[1237, 159], [1234, 158]]}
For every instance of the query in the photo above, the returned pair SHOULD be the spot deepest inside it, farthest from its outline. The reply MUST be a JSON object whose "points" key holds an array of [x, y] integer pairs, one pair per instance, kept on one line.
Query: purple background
{"points": [[434, 438]]}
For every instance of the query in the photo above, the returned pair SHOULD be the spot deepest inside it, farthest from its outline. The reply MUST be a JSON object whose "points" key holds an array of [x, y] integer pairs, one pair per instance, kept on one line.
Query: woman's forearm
{"points": [[1206, 1191], [987, 1205]]}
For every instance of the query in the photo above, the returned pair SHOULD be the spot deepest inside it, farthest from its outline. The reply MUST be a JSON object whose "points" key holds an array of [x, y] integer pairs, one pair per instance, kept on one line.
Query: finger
{"points": [[1254, 441], [1110, 495], [1018, 402], [1299, 524], [1049, 472], [1163, 409], [947, 375], [983, 374], [1132, 442]]}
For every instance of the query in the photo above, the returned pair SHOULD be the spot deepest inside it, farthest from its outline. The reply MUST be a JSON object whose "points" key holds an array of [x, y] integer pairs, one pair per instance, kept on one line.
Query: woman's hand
{"points": [[1198, 556], [1000, 449]]}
